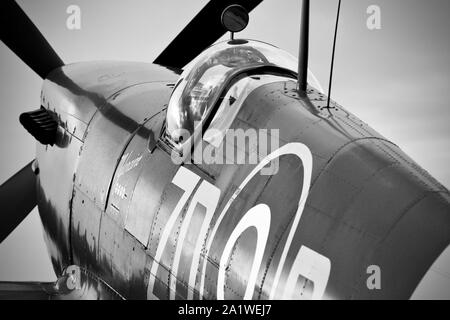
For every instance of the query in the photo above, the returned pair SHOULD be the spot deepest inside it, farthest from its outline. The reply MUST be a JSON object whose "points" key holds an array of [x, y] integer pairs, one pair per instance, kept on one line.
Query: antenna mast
{"points": [[303, 49]]}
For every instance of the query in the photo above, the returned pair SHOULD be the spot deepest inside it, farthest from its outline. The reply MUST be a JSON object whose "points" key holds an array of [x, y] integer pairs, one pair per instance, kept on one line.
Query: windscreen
{"points": [[203, 79]]}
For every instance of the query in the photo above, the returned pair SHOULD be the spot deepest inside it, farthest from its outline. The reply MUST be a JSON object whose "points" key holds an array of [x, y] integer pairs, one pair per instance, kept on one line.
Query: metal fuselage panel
{"points": [[76, 94], [151, 228]]}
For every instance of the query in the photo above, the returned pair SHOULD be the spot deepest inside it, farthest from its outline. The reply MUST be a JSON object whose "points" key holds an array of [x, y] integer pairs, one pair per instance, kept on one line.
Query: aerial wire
{"points": [[333, 53]]}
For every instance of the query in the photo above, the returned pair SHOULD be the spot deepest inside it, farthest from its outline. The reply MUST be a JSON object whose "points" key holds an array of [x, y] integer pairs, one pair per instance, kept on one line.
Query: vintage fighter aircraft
{"points": [[142, 194]]}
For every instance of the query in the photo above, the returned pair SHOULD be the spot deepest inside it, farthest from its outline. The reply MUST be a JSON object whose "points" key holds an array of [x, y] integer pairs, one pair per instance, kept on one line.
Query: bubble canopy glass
{"points": [[204, 78]]}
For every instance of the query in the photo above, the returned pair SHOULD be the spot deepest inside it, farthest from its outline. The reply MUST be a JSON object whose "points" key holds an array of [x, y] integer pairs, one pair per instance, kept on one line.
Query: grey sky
{"points": [[396, 79]]}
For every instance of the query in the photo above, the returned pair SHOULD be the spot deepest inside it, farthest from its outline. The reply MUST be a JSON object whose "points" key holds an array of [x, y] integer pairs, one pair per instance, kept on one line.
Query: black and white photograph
{"points": [[205, 150]]}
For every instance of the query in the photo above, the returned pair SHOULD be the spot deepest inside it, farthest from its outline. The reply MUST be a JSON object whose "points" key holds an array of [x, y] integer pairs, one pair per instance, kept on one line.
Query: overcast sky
{"points": [[397, 79]]}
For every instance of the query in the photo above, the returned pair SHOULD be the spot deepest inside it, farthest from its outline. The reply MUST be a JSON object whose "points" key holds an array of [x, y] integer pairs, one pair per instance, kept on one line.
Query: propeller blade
{"points": [[17, 199], [19, 33], [205, 29]]}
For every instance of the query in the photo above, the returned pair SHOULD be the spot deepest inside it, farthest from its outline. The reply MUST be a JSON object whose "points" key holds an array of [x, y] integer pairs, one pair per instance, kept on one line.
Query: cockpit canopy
{"points": [[202, 81]]}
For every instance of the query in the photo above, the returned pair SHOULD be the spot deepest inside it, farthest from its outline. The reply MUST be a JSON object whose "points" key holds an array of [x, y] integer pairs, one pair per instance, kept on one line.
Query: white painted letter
{"points": [[258, 217], [208, 196], [186, 180], [313, 266]]}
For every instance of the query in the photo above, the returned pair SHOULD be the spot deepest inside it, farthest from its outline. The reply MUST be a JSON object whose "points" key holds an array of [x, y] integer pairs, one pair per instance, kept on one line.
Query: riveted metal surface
{"points": [[342, 219], [106, 140], [77, 91], [123, 258], [57, 166]]}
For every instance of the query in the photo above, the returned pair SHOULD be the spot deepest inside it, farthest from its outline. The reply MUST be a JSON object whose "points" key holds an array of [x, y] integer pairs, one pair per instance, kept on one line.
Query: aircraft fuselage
{"points": [[342, 198]]}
